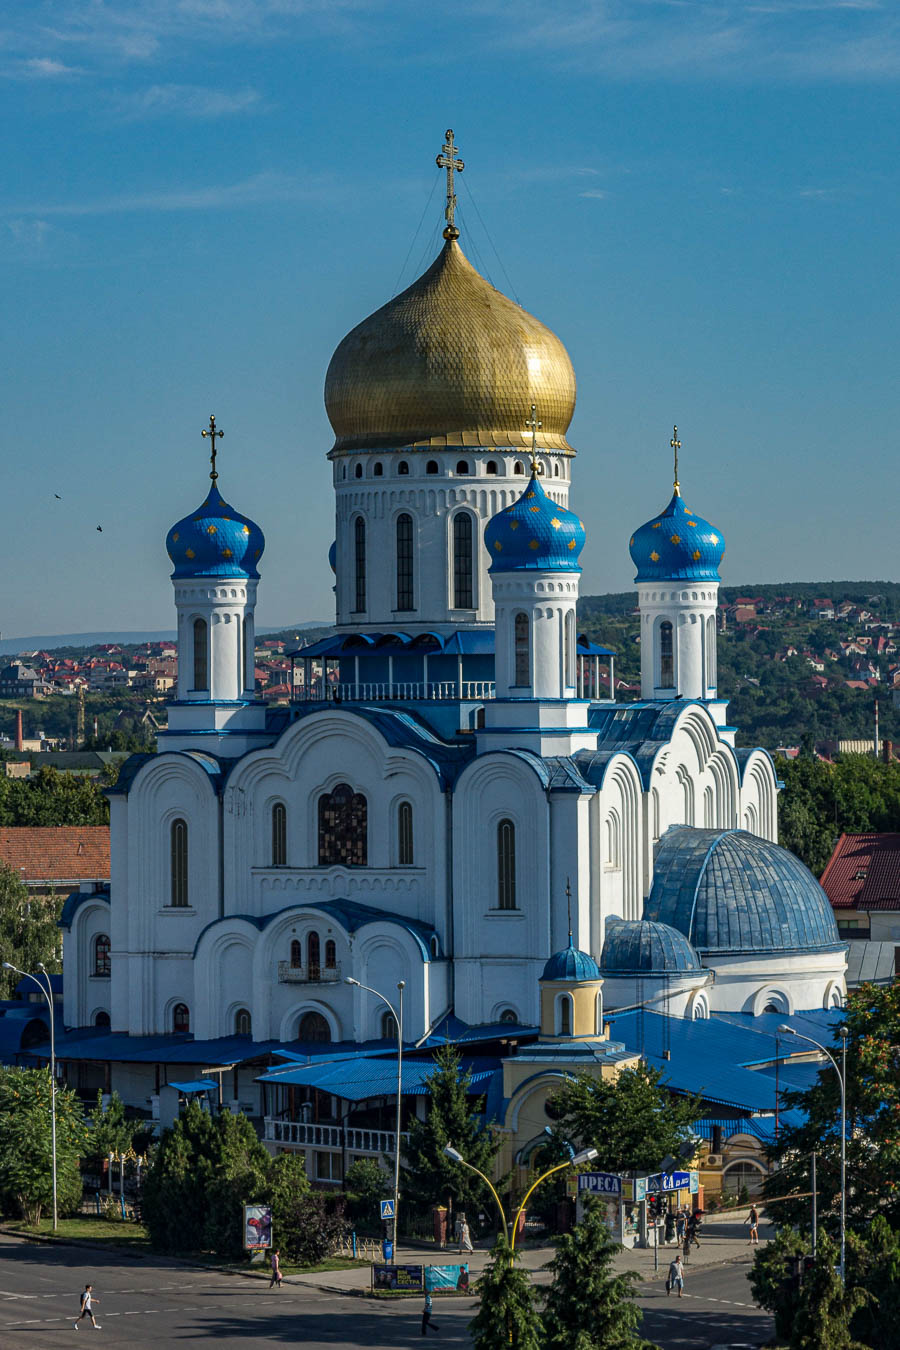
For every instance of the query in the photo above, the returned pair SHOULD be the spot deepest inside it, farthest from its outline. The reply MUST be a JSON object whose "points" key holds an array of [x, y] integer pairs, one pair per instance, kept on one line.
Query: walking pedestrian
{"points": [[680, 1225], [693, 1229], [427, 1324], [276, 1269], [753, 1220], [676, 1276], [465, 1237], [87, 1300]]}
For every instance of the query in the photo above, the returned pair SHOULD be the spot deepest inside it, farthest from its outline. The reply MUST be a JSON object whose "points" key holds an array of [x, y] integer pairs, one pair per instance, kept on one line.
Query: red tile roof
{"points": [[57, 854], [863, 872]]}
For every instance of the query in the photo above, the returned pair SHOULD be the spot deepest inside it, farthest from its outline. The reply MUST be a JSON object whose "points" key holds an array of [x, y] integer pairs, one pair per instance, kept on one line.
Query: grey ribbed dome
{"points": [[641, 947]]}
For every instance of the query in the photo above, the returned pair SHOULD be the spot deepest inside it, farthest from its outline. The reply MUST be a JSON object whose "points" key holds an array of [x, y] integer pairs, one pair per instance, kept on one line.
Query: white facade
{"points": [[678, 639]]}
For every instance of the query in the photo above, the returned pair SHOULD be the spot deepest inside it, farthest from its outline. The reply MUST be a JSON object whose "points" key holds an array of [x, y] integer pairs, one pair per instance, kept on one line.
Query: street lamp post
{"points": [[397, 1015], [842, 1080], [47, 991], [586, 1155]]}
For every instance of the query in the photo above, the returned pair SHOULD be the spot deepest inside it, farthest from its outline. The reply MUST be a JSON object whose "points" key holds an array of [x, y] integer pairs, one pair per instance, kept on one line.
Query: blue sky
{"points": [[200, 197]]}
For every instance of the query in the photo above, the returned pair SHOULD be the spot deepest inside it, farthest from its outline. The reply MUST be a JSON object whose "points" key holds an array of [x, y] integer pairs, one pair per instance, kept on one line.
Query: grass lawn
{"points": [[87, 1227]]}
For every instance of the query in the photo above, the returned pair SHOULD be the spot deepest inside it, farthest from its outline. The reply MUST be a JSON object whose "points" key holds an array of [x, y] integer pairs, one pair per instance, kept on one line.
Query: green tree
{"points": [[365, 1183], [52, 798], [588, 1307], [429, 1176], [507, 1317], [26, 1152], [873, 1264], [826, 1308], [108, 1130], [770, 1281], [630, 1119], [204, 1169], [29, 932], [872, 1018], [307, 1224]]}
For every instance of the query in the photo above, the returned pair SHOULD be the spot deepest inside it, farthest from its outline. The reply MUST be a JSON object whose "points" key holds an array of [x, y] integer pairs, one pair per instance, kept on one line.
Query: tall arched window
{"points": [[201, 663], [388, 1027], [506, 865], [343, 828], [242, 1022], [404, 562], [296, 954], [613, 840], [313, 1027], [666, 656], [358, 471], [520, 467], [598, 1014], [462, 467], [178, 838], [359, 557], [463, 591], [181, 1018], [403, 466], [330, 955], [405, 834], [432, 466], [378, 471], [711, 652], [564, 1015], [491, 466], [313, 956], [102, 964], [570, 648], [522, 642], [279, 835]]}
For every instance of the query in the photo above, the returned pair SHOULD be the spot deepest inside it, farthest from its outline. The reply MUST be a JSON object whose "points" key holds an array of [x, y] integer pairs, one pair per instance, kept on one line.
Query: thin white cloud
{"points": [[257, 190], [187, 100], [595, 194], [39, 68]]}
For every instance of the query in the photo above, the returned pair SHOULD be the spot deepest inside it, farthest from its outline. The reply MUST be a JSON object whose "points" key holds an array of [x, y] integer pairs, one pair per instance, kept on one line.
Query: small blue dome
{"points": [[332, 557], [571, 964], [641, 947], [215, 541], [730, 891], [677, 545], [534, 533]]}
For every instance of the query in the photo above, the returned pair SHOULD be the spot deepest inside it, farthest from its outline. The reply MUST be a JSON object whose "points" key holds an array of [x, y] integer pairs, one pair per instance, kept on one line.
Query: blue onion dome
{"points": [[571, 964], [677, 545], [641, 947], [215, 541], [730, 891], [332, 557], [534, 533]]}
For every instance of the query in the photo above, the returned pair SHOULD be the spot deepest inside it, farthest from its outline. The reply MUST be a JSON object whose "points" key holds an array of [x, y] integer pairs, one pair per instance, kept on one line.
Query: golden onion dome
{"points": [[449, 362]]}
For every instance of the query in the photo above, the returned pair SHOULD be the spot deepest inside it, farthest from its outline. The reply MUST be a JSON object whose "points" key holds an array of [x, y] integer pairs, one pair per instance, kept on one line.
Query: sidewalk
{"points": [[723, 1238]]}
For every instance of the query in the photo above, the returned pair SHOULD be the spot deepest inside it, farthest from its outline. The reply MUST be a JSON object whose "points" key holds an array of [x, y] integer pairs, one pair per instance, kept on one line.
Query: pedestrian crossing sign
{"points": [[387, 1209]]}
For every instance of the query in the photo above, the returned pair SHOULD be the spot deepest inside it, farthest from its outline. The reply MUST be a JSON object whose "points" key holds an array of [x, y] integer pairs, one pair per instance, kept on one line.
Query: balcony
{"points": [[288, 974], [319, 691], [304, 1134]]}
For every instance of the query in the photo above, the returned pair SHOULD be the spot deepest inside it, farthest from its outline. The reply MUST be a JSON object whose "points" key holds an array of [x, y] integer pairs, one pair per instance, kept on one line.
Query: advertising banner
{"points": [[601, 1183], [447, 1277], [257, 1227], [397, 1277]]}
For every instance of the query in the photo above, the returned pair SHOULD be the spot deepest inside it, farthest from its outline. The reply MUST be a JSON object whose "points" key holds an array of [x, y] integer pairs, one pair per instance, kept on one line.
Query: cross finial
{"points": [[448, 160], [569, 907], [534, 427], [212, 432], [676, 446]]}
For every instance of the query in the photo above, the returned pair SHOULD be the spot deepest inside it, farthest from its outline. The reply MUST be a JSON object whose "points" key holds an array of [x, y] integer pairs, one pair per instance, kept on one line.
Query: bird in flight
{"points": [[100, 528], [57, 496]]}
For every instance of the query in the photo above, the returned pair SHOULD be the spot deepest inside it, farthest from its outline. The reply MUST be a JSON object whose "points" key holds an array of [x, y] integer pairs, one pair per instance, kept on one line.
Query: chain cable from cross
{"points": [[533, 425], [676, 446], [448, 160], [212, 432]]}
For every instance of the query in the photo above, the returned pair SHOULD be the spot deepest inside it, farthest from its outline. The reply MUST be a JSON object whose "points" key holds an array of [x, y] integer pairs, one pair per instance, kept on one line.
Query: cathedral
{"points": [[454, 798]]}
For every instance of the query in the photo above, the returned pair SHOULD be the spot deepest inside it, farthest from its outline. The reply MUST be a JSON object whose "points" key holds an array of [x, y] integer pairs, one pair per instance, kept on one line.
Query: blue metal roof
{"points": [[534, 534], [677, 545], [571, 964], [405, 729], [357, 1078], [350, 914], [215, 541], [643, 947], [730, 891], [195, 1085], [74, 902]]}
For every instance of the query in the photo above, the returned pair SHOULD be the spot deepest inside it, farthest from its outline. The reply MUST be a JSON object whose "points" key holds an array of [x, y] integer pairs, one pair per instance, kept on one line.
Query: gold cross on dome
{"points": [[533, 425], [212, 432], [448, 160], [676, 446]]}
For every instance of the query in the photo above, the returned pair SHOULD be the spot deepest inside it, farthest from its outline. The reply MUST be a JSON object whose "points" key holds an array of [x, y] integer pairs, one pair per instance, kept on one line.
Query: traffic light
{"points": [[654, 1207], [808, 1266]]}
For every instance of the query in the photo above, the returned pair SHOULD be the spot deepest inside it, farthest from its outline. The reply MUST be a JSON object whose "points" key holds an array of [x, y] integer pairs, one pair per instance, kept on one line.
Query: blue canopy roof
{"points": [[357, 1078], [643, 947], [730, 891], [196, 1085]]}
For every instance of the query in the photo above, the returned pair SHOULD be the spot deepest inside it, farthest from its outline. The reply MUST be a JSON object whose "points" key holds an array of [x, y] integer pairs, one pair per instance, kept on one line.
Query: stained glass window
{"points": [[404, 562], [462, 561], [343, 828], [181, 1018], [296, 955], [330, 955], [242, 1024], [313, 1027], [102, 962]]}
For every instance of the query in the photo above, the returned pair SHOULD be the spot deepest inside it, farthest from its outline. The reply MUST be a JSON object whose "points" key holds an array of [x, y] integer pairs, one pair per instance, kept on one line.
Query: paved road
{"points": [[142, 1303]]}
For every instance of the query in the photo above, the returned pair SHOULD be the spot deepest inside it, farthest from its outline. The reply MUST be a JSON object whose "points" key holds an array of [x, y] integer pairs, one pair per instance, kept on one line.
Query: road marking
{"points": [[7, 1293]]}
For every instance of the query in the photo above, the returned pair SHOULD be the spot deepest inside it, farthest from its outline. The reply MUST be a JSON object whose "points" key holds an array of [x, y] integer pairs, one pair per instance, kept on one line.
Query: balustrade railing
{"points": [[320, 691], [307, 1134], [288, 974]]}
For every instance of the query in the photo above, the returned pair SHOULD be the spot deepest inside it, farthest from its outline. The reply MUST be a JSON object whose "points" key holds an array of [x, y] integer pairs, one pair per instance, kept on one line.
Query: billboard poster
{"points": [[257, 1227], [396, 1277], [447, 1277]]}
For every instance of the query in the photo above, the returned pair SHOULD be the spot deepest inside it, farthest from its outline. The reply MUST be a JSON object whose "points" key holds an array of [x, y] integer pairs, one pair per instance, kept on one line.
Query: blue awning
{"points": [[196, 1085], [358, 1078]]}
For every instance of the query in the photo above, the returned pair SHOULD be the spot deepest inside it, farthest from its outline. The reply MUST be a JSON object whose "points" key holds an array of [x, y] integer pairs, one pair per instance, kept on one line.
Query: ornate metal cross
{"points": [[447, 159], [676, 446], [212, 432], [533, 425]]}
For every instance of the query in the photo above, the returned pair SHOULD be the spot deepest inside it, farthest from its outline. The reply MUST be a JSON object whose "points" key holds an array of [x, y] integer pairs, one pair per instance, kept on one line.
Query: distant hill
{"points": [[49, 642]]}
